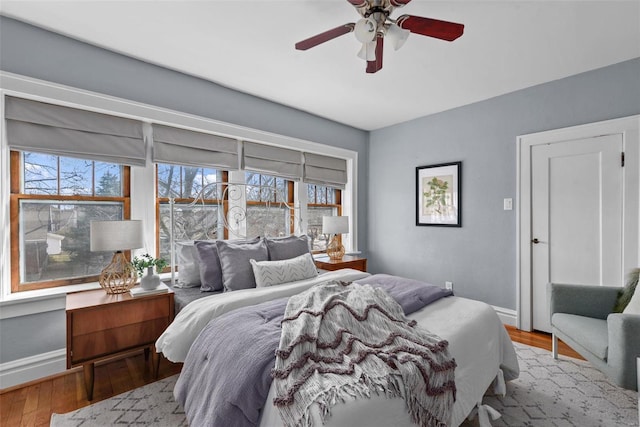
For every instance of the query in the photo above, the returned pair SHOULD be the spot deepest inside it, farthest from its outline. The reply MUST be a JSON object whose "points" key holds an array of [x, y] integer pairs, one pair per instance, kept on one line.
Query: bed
{"points": [[477, 340], [223, 284]]}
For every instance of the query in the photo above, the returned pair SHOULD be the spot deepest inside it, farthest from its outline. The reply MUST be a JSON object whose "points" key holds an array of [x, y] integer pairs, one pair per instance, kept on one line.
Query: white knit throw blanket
{"points": [[343, 340]]}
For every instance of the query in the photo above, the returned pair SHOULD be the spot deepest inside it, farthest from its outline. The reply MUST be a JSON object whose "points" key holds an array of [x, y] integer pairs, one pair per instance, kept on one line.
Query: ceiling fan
{"points": [[375, 24]]}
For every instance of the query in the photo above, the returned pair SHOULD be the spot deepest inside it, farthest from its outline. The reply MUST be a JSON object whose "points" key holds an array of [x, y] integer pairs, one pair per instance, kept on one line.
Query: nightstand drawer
{"points": [[103, 343], [117, 315]]}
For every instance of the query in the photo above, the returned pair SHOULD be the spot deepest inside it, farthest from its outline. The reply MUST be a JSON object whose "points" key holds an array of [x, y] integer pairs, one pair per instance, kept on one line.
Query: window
{"points": [[193, 221], [52, 195], [265, 210], [270, 206], [264, 206], [321, 201], [55, 198]]}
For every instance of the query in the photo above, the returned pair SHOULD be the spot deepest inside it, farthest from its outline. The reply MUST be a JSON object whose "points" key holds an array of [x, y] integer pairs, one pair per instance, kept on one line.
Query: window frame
{"points": [[159, 201], [337, 205], [16, 195], [290, 199]]}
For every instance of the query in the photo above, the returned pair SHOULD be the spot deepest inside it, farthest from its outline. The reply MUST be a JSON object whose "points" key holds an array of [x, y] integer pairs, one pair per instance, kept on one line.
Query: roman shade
{"points": [[272, 160], [71, 132], [189, 148], [325, 170]]}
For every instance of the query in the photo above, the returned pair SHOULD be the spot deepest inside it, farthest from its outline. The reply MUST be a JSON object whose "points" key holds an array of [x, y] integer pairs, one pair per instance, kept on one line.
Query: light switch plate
{"points": [[508, 204]]}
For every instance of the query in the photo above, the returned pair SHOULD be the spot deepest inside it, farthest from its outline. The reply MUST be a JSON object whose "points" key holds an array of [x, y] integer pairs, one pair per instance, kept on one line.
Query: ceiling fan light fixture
{"points": [[365, 30], [397, 36], [368, 51]]}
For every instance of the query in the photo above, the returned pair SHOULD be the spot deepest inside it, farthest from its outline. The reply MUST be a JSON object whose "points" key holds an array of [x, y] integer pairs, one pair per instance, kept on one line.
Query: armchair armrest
{"points": [[582, 300], [624, 347]]}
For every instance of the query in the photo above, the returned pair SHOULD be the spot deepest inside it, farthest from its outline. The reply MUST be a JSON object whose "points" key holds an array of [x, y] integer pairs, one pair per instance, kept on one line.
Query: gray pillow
{"points": [[188, 270], [269, 273], [287, 247], [234, 262], [209, 266]]}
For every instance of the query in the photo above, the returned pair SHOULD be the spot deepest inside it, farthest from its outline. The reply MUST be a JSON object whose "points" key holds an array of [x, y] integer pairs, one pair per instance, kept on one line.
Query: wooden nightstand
{"points": [[347, 261], [100, 325]]}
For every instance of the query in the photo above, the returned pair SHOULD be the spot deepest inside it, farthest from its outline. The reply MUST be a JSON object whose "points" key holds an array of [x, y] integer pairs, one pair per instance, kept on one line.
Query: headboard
{"points": [[234, 203]]}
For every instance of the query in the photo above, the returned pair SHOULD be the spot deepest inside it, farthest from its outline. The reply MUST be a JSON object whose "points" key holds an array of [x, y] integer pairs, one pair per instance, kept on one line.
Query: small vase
{"points": [[150, 281]]}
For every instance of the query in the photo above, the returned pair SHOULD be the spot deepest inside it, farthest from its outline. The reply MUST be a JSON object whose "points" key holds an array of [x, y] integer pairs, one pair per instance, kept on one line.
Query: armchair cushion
{"points": [[591, 333]]}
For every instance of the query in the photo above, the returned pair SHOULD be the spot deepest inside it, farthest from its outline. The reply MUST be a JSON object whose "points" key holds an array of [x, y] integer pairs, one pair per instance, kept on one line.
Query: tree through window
{"points": [[55, 198]]}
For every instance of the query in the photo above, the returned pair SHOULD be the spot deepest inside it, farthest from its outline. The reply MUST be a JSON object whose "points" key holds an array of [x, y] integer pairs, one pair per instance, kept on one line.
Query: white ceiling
{"points": [[249, 46]]}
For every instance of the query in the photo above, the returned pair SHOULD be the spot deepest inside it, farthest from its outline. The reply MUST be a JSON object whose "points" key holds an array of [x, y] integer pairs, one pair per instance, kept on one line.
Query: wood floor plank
{"points": [[57, 403], [137, 371], [43, 417], [44, 394], [28, 419], [33, 394], [102, 385], [5, 405], [16, 411]]}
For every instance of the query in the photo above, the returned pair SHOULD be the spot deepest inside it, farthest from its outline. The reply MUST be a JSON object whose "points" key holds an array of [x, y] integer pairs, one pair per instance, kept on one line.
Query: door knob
{"points": [[535, 241]]}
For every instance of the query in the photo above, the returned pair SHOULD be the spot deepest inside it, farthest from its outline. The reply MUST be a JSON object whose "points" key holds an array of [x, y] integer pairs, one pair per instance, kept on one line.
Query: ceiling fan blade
{"points": [[376, 65], [325, 37], [443, 30]]}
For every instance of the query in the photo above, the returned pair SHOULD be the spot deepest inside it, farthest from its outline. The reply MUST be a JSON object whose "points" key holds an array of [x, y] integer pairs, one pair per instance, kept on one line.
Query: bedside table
{"points": [[101, 325], [347, 261]]}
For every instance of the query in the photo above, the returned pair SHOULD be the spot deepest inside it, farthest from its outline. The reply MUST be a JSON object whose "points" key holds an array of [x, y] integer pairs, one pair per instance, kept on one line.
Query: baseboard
{"points": [[34, 367], [507, 316]]}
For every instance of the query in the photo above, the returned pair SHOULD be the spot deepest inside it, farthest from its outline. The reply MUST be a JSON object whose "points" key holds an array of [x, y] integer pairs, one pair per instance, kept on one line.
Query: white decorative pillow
{"points": [[269, 273], [634, 304]]}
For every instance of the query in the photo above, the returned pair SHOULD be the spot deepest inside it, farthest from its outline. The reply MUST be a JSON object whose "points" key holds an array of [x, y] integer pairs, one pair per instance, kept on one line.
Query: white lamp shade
{"points": [[365, 30], [368, 51], [335, 224], [116, 235], [397, 36]]}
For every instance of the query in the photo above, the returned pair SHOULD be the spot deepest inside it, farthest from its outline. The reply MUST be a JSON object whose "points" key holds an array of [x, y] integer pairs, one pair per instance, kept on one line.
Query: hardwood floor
{"points": [[541, 340], [32, 404]]}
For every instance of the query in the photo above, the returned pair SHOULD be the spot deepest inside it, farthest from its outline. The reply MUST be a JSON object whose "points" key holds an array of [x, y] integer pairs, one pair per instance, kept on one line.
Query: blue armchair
{"points": [[581, 317]]}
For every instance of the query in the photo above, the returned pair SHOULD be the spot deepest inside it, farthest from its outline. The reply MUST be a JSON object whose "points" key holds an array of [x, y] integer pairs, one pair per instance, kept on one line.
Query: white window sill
{"points": [[42, 300]]}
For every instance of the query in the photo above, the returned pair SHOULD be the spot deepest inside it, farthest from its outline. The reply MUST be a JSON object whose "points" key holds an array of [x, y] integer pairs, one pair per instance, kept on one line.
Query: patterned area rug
{"points": [[563, 392], [566, 392]]}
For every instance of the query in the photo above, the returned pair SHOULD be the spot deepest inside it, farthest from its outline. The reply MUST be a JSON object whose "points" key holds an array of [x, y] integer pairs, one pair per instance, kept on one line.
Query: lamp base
{"points": [[335, 250], [119, 276]]}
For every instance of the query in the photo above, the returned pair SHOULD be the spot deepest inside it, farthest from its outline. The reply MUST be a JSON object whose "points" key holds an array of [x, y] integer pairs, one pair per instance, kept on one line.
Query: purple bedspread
{"points": [[227, 374]]}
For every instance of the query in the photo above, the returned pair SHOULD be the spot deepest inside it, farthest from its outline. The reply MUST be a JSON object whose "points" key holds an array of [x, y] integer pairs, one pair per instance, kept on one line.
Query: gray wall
{"points": [[480, 257], [34, 52]]}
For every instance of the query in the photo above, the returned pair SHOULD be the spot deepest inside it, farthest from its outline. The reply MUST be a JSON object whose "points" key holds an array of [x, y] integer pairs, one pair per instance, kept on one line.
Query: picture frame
{"points": [[439, 195]]}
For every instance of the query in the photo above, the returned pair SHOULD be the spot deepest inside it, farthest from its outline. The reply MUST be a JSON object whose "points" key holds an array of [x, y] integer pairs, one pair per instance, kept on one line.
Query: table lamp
{"points": [[119, 276], [335, 225]]}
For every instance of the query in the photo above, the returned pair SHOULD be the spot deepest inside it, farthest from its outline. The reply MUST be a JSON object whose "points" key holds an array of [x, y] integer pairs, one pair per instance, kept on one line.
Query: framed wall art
{"points": [[438, 195]]}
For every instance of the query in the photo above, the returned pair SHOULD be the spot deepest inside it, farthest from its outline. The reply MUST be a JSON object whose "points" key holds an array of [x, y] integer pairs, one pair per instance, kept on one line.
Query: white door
{"points": [[577, 205]]}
